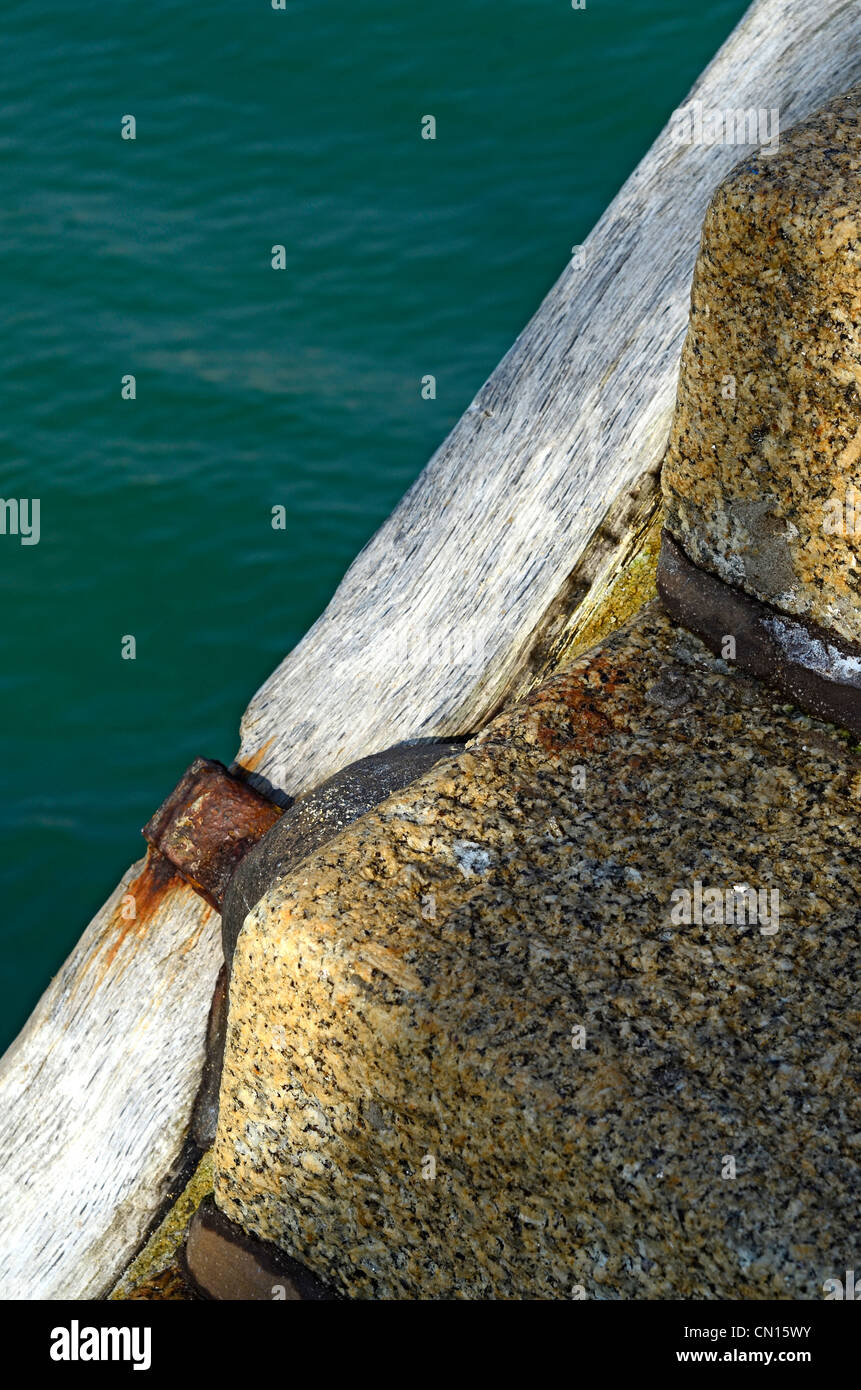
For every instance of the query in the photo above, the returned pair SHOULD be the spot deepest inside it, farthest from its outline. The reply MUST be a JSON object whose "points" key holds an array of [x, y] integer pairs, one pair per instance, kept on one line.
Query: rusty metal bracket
{"points": [[207, 825]]}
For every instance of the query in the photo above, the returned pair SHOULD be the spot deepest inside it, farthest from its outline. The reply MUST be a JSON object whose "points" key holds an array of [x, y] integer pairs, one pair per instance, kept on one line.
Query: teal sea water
{"points": [[254, 387]]}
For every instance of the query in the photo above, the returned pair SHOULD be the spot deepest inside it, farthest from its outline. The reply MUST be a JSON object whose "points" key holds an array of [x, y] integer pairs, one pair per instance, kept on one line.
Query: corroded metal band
{"points": [[819, 671], [207, 825], [222, 1261]]}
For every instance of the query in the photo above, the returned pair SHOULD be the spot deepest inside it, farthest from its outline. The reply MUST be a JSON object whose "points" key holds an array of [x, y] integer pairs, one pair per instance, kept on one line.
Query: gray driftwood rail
{"points": [[526, 509]]}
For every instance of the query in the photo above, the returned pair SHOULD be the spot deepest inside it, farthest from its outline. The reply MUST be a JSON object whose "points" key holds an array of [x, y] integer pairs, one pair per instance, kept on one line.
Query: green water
{"points": [[254, 387]]}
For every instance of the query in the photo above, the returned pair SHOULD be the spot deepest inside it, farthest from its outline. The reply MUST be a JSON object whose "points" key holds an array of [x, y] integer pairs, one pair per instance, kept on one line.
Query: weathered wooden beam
{"points": [[473, 589], [437, 619], [96, 1092]]}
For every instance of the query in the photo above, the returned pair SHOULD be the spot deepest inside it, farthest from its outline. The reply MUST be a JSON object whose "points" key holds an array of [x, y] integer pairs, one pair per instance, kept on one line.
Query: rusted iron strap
{"points": [[816, 668], [207, 825]]}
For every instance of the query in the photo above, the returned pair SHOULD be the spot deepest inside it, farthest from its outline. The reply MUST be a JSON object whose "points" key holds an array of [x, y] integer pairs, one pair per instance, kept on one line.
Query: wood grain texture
{"points": [[434, 623], [96, 1092], [467, 594]]}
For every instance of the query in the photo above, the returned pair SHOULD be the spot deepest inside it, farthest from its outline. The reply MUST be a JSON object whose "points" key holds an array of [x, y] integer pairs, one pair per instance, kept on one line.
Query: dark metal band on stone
{"points": [[223, 1262], [817, 670]]}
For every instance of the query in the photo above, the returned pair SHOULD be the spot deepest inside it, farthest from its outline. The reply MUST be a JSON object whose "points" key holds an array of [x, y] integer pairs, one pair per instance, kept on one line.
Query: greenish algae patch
{"points": [[630, 590], [615, 591], [163, 1245]]}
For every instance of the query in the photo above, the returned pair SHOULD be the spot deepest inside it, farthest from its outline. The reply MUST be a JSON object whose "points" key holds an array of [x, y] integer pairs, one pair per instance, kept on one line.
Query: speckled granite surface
{"points": [[407, 1105], [766, 442]]}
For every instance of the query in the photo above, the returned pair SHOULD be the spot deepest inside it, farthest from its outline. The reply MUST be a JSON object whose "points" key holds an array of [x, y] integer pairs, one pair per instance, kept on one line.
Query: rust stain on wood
{"points": [[253, 761], [192, 941], [148, 892]]}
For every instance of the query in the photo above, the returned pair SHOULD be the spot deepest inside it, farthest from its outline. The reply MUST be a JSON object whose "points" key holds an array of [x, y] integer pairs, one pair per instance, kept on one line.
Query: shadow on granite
{"points": [[514, 1034]]}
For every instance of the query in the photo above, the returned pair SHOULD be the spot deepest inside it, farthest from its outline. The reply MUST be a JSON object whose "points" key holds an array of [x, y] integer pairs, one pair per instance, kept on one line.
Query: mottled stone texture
{"points": [[776, 319], [403, 1109], [317, 816]]}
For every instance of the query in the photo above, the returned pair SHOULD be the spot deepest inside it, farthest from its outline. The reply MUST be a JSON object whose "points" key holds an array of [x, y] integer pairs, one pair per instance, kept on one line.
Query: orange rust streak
{"points": [[192, 941], [149, 890], [252, 763], [580, 704]]}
